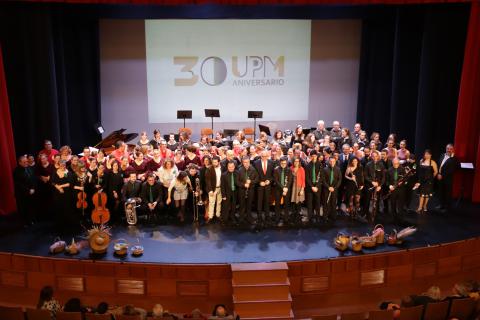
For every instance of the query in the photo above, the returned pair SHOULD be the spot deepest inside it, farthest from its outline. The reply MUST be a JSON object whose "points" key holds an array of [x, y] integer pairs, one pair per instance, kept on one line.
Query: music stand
{"points": [[264, 129], [255, 115], [212, 113], [184, 114]]}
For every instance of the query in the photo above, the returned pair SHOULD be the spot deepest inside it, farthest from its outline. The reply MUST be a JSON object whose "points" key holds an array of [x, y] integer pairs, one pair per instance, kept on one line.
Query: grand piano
{"points": [[108, 143]]}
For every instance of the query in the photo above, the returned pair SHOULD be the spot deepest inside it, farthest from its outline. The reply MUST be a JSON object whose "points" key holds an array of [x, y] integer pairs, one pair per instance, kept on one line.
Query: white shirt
{"points": [[445, 158]]}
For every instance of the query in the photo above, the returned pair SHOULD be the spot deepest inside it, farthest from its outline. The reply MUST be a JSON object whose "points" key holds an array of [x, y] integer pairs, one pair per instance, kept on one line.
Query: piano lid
{"points": [[115, 136]]}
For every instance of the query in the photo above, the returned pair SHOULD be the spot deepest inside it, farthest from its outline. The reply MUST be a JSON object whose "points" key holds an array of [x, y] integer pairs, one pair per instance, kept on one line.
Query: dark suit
{"points": [[313, 198], [330, 199], [228, 184], [131, 190], [150, 194], [445, 184], [246, 196], [396, 200], [263, 192], [278, 191], [24, 180], [374, 172]]}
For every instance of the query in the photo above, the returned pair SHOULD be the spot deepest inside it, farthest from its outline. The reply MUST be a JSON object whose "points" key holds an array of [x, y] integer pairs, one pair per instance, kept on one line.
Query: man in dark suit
{"points": [[374, 174], [332, 179], [448, 165], [247, 178], [152, 197], [396, 199], [283, 178], [25, 188], [313, 186], [229, 189], [131, 188], [264, 167]]}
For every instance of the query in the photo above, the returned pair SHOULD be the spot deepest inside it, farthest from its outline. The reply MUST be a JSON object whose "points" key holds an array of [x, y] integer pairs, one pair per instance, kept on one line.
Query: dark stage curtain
{"points": [[52, 70], [467, 132], [410, 69], [7, 147]]}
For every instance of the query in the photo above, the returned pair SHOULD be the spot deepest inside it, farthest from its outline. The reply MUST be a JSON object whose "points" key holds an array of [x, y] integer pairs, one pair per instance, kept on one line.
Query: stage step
{"points": [[261, 291]]}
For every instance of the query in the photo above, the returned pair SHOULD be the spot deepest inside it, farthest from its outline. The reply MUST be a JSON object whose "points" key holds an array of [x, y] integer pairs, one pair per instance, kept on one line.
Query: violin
{"points": [[100, 214], [82, 197]]}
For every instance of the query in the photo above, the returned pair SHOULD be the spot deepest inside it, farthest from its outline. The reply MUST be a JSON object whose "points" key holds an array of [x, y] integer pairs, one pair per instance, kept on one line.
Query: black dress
{"points": [[63, 203], [425, 178], [352, 188]]}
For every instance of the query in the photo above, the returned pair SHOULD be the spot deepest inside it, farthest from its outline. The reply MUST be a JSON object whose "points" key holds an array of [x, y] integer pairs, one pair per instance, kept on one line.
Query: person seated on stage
{"points": [[86, 156], [181, 184], [262, 138], [220, 311], [171, 144], [362, 139], [120, 151], [309, 143], [184, 140], [336, 132], [240, 137], [157, 139], [139, 165], [48, 150], [46, 301], [155, 162], [298, 136], [357, 129], [279, 138], [65, 154], [203, 143], [178, 160], [321, 131], [144, 140], [152, 197], [191, 156]]}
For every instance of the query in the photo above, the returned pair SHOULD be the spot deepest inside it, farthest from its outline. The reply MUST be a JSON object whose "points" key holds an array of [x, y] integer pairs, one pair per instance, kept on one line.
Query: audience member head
{"points": [[102, 308], [46, 294], [73, 305]]}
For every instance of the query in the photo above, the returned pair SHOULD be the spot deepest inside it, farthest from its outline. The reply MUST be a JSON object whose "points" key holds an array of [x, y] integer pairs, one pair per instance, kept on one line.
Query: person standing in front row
{"points": [[212, 186], [332, 179], [448, 165], [247, 179], [264, 168], [229, 192]]}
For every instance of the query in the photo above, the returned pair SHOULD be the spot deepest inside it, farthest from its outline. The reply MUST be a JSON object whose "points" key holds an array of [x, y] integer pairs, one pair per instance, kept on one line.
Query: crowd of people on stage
{"points": [[237, 181]]}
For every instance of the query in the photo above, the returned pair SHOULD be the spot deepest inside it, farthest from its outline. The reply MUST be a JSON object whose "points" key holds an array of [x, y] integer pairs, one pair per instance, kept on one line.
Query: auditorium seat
{"points": [[412, 313], [11, 313], [462, 308], [93, 316], [186, 129], [380, 315], [329, 317], [120, 317], [436, 311], [354, 316], [38, 314], [69, 315], [249, 133]]}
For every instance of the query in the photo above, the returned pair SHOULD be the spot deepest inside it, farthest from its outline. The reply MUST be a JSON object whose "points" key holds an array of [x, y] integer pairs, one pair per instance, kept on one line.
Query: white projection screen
{"points": [[295, 71]]}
